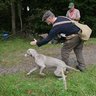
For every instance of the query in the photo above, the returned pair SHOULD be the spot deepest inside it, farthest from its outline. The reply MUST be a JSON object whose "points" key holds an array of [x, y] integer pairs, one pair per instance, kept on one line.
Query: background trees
{"points": [[16, 19]]}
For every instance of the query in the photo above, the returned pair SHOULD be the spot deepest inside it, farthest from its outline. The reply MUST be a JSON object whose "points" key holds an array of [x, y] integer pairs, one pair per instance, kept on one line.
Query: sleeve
{"points": [[51, 35], [78, 14], [67, 14]]}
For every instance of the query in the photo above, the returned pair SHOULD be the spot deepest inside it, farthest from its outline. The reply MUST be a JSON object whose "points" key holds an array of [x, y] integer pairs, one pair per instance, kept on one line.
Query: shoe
{"points": [[82, 69]]}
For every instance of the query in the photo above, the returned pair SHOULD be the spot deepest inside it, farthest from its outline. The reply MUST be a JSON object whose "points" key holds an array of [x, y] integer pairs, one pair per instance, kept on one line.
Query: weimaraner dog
{"points": [[46, 61]]}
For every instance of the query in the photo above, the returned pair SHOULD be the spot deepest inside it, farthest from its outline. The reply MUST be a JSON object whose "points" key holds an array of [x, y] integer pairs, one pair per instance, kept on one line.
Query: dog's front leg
{"points": [[35, 68], [41, 70]]}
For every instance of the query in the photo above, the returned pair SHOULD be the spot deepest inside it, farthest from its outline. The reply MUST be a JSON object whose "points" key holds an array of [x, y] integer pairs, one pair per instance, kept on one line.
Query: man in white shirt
{"points": [[73, 13]]}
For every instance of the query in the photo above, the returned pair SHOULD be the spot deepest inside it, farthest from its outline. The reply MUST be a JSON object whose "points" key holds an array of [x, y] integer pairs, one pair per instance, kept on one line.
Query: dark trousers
{"points": [[75, 44]]}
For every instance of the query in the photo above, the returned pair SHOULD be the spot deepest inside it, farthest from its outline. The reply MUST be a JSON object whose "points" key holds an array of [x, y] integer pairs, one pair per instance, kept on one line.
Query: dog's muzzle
{"points": [[26, 55]]}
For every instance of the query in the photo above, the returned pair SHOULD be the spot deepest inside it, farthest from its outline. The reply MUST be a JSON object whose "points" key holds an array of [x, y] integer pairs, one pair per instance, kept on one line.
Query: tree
{"points": [[20, 13], [31, 21], [13, 17]]}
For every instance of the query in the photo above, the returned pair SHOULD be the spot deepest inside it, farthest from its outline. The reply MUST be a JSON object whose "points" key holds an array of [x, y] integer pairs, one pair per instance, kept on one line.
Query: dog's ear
{"points": [[29, 52], [32, 52]]}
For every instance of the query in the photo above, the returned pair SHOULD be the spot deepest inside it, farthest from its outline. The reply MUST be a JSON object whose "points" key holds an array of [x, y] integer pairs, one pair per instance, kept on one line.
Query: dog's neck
{"points": [[35, 55]]}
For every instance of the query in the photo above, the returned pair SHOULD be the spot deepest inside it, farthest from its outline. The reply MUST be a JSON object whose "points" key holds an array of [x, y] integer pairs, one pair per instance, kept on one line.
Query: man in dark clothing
{"points": [[70, 32]]}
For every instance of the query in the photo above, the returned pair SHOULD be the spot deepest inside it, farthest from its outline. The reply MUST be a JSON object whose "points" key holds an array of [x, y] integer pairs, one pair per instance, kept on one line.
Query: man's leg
{"points": [[76, 44], [79, 55], [65, 52], [68, 46]]}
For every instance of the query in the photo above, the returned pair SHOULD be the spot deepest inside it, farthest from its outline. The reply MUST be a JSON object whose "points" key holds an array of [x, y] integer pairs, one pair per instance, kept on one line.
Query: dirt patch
{"points": [[28, 63]]}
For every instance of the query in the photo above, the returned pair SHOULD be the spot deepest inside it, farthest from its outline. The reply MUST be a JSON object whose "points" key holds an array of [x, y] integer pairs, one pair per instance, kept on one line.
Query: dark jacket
{"points": [[67, 29]]}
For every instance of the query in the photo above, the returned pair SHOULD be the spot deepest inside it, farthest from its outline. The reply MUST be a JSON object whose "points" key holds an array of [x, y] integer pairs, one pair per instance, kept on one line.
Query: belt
{"points": [[71, 36]]}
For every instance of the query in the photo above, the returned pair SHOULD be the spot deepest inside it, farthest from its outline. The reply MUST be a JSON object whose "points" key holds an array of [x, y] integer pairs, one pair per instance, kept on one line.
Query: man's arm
{"points": [[51, 35], [77, 16]]}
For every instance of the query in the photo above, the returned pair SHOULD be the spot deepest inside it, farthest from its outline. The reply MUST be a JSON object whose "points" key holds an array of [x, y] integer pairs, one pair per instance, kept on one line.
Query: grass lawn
{"points": [[18, 84], [79, 84]]}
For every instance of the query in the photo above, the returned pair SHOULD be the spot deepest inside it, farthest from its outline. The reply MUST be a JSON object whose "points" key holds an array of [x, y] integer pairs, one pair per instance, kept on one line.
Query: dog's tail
{"points": [[71, 68]]}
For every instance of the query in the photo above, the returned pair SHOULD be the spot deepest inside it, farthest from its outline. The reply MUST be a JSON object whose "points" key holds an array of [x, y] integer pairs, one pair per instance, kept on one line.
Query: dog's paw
{"points": [[60, 78], [28, 74], [42, 74]]}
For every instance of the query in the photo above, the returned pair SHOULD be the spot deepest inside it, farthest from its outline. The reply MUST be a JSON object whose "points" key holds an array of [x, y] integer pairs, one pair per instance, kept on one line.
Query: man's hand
{"points": [[33, 42]]}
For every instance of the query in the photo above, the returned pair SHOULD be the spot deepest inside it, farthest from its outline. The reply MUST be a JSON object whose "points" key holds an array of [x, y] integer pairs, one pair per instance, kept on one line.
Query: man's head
{"points": [[48, 17], [71, 5]]}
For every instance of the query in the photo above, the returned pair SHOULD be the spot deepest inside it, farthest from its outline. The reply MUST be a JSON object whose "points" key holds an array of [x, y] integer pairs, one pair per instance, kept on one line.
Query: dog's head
{"points": [[31, 52]]}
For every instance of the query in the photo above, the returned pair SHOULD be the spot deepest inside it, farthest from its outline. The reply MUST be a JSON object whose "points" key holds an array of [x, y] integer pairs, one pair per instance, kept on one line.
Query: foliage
{"points": [[32, 19], [87, 10], [4, 15], [33, 24], [88, 17]]}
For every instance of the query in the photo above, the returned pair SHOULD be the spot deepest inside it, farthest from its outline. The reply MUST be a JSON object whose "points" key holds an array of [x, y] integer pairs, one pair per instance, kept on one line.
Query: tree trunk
{"points": [[19, 13], [13, 18]]}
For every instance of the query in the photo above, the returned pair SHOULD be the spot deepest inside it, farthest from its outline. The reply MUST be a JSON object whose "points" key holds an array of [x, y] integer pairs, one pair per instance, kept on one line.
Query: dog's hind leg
{"points": [[64, 79], [57, 72], [32, 70]]}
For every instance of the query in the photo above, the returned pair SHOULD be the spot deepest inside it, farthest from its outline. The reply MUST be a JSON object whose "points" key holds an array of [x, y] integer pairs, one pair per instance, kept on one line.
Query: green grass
{"points": [[12, 51], [79, 84], [18, 84], [91, 41]]}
